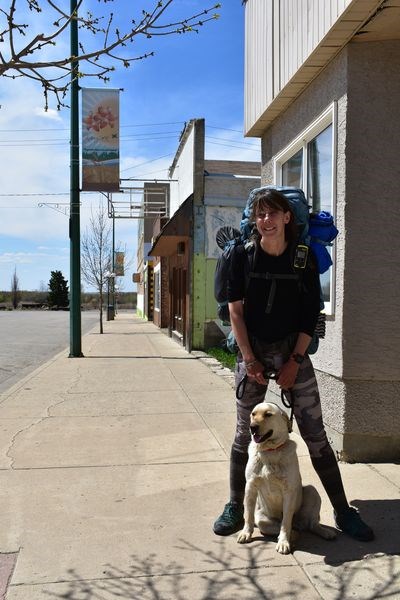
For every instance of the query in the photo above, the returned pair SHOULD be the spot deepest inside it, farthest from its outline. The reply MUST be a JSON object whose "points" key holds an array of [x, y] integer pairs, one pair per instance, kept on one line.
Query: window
{"points": [[319, 176], [292, 170], [308, 163]]}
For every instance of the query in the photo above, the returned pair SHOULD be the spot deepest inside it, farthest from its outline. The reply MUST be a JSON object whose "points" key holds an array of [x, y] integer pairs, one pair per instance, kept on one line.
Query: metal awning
{"points": [[176, 230]]}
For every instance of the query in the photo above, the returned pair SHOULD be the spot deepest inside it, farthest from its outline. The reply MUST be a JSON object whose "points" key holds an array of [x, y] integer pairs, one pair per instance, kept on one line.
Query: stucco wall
{"points": [[372, 213]]}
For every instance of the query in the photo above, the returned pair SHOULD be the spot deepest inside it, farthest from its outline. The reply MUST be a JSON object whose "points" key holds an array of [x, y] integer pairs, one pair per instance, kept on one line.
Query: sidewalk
{"points": [[113, 468]]}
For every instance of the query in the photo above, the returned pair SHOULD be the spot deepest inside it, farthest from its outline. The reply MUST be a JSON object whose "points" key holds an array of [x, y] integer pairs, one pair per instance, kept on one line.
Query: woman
{"points": [[273, 331]]}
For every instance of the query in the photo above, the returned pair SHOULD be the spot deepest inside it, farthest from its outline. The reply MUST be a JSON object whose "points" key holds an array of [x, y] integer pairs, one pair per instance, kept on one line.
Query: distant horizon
{"points": [[89, 292]]}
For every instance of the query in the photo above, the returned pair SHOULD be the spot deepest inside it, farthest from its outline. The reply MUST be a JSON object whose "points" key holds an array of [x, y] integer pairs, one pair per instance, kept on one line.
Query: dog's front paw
{"points": [[283, 546], [244, 536]]}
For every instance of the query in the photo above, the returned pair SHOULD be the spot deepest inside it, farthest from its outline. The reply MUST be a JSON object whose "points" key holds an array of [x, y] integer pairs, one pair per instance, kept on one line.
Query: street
{"points": [[30, 338]]}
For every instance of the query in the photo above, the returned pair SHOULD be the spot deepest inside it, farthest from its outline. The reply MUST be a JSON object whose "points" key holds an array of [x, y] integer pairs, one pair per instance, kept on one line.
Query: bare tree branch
{"points": [[22, 59]]}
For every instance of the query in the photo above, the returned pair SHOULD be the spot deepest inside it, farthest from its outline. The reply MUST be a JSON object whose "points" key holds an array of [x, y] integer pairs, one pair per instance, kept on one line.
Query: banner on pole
{"points": [[100, 140], [119, 264]]}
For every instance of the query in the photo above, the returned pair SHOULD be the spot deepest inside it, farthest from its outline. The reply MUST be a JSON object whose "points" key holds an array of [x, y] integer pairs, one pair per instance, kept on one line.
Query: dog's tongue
{"points": [[262, 438]]}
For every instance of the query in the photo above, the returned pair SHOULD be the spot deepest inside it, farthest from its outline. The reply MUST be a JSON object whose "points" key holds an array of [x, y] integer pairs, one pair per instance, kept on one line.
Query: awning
{"points": [[174, 232]]}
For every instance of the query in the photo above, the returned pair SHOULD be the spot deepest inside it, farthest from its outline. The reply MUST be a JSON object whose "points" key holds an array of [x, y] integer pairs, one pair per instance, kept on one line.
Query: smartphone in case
{"points": [[300, 256]]}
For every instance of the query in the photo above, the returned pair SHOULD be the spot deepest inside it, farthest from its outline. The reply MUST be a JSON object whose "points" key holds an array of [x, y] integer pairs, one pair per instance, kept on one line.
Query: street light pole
{"points": [[113, 259], [74, 219]]}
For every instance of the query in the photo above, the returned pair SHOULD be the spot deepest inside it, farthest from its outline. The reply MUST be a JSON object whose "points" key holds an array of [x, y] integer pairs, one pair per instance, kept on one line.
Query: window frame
{"points": [[326, 118]]}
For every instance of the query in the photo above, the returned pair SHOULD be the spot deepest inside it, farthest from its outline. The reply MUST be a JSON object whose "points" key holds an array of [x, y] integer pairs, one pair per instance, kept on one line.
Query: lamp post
{"points": [[116, 292], [113, 255], [110, 309], [111, 214], [74, 219]]}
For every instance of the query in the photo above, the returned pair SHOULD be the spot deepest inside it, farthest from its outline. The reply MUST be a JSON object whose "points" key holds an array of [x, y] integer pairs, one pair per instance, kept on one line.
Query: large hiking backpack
{"points": [[316, 230]]}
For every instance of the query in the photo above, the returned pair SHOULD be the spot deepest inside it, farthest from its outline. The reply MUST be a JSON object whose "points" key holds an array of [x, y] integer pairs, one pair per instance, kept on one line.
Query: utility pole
{"points": [[113, 258], [74, 219]]}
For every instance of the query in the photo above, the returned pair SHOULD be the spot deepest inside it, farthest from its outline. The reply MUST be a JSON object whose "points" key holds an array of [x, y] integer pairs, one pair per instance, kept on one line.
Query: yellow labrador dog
{"points": [[275, 498]]}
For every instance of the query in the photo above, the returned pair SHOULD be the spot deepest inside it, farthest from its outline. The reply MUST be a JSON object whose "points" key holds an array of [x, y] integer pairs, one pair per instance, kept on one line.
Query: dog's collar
{"points": [[273, 449]]}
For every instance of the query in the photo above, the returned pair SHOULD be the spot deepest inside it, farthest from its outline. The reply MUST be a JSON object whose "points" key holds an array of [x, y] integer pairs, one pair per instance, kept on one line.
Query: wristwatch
{"points": [[298, 358]]}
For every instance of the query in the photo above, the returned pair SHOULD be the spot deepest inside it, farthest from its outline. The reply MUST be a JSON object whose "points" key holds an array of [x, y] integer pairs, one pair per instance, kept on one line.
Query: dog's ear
{"points": [[288, 422]]}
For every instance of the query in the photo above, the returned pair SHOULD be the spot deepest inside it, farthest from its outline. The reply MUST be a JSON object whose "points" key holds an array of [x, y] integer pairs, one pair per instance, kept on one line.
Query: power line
{"points": [[64, 142], [122, 126], [37, 194], [209, 137], [136, 136], [125, 126], [147, 162], [221, 128], [238, 147]]}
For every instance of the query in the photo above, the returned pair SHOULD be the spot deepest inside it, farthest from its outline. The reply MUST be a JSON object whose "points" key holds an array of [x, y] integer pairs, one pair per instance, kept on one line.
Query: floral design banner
{"points": [[119, 264], [100, 140]]}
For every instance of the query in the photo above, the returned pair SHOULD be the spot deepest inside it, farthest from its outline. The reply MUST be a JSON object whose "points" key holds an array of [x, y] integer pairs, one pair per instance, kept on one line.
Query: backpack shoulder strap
{"points": [[273, 277], [250, 248]]}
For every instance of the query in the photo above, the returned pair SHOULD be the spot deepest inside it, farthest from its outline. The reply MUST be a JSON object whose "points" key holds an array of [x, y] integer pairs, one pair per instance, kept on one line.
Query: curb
{"points": [[215, 366]]}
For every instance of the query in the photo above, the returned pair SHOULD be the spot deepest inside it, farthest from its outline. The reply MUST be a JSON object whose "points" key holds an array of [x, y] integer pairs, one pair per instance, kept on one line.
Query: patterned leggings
{"points": [[306, 410]]}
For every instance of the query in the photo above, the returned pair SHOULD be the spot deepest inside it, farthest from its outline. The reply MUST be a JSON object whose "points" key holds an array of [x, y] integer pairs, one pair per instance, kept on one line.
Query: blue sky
{"points": [[190, 76]]}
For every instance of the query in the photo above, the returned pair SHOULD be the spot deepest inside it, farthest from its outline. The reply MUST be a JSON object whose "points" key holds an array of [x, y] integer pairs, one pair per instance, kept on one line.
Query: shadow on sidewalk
{"points": [[381, 515], [140, 356], [118, 333], [219, 576]]}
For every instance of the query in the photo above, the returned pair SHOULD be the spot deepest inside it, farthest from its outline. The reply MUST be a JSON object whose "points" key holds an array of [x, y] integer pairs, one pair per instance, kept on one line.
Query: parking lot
{"points": [[30, 337]]}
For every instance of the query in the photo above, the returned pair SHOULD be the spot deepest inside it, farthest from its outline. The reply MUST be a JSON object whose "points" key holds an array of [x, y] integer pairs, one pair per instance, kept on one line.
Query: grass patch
{"points": [[227, 359]]}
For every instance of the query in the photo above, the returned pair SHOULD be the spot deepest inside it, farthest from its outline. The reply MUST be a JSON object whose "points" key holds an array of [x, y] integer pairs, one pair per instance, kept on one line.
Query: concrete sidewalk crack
{"points": [[8, 453], [371, 466], [60, 400]]}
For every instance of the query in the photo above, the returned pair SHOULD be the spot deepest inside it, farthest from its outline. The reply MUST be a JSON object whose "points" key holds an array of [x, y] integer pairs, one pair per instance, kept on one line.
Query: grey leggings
{"points": [[305, 395]]}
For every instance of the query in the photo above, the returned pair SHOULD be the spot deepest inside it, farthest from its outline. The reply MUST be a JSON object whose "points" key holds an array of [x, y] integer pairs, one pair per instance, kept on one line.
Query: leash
{"points": [[287, 401], [242, 384], [286, 395]]}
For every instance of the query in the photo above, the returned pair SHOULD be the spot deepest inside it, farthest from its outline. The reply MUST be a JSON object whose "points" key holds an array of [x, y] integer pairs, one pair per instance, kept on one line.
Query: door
{"points": [[179, 302]]}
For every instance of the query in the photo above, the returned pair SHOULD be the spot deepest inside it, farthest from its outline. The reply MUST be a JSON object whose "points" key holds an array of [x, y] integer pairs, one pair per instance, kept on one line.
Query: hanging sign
{"points": [[100, 140], [119, 264]]}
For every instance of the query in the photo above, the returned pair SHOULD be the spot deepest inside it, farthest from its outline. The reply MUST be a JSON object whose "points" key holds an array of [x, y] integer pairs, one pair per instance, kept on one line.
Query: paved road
{"points": [[29, 338]]}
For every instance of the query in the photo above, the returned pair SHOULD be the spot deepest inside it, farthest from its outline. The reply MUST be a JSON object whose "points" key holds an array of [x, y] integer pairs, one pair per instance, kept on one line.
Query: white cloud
{"points": [[21, 258], [51, 114], [52, 249]]}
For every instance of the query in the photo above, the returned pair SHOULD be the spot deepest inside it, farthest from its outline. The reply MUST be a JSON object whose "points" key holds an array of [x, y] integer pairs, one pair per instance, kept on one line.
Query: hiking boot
{"points": [[350, 522], [231, 519]]}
